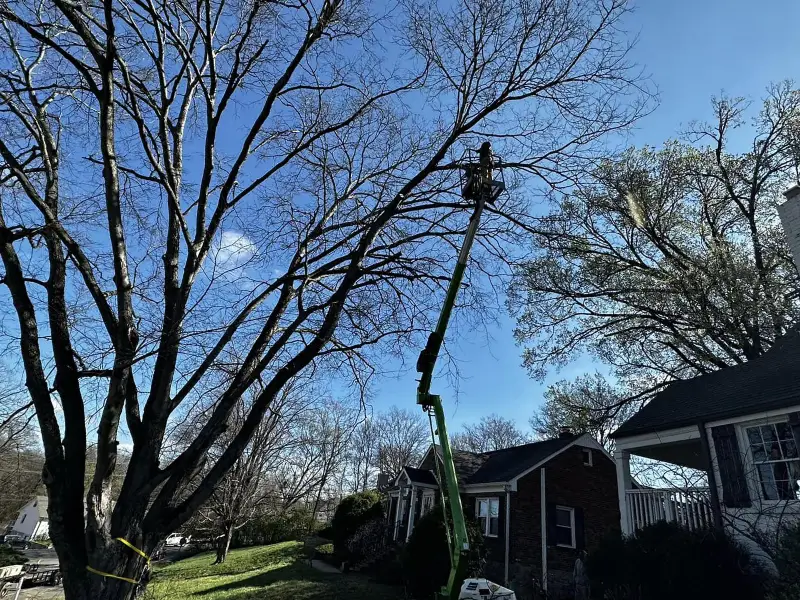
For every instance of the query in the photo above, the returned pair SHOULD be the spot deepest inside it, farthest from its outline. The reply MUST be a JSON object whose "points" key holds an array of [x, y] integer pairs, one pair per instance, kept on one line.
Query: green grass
{"points": [[276, 571]]}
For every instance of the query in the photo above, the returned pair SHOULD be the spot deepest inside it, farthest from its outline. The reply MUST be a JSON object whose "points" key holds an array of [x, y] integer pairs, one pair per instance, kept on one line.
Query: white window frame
{"points": [[488, 527], [587, 452], [427, 496], [748, 461], [571, 524]]}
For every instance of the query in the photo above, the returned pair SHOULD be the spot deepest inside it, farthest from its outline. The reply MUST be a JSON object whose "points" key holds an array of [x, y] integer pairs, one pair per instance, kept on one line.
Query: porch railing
{"points": [[689, 507]]}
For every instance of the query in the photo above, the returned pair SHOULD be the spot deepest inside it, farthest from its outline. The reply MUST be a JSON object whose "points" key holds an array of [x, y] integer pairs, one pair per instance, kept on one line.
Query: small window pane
{"points": [[563, 518], [784, 431], [483, 508], [759, 454], [482, 524], [494, 526], [563, 536], [774, 451], [768, 486], [768, 433], [789, 449], [494, 505], [754, 435]]}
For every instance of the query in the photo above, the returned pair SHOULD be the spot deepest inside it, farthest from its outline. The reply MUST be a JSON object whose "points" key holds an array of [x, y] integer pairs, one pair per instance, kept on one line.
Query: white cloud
{"points": [[234, 250]]}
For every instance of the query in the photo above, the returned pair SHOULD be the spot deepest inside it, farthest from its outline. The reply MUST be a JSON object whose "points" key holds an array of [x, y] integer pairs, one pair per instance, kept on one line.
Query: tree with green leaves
{"points": [[669, 263]]}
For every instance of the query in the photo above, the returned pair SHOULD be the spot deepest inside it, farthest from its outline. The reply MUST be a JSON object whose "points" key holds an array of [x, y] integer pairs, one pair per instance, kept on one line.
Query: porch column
{"points": [[411, 512], [623, 460], [398, 521]]}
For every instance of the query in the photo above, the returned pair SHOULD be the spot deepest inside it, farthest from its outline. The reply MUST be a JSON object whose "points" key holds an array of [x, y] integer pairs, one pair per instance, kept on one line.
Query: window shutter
{"points": [[551, 524], [580, 536], [731, 471]]}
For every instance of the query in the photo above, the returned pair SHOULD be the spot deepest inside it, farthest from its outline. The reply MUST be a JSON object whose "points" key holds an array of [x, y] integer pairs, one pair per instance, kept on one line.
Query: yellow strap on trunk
{"points": [[134, 548], [111, 575]]}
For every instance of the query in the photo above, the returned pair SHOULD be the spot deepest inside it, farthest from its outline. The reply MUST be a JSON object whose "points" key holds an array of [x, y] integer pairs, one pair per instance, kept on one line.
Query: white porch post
{"points": [[623, 460], [399, 515], [411, 512]]}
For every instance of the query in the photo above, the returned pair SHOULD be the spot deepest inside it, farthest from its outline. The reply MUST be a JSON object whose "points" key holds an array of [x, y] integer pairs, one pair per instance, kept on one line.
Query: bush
{"points": [[787, 559], [271, 529], [368, 540], [664, 562], [326, 549], [9, 556], [353, 511], [426, 557]]}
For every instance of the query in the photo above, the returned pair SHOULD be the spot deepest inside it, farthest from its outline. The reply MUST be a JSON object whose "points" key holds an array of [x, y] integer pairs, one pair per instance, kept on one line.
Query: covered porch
{"points": [[413, 494], [693, 507]]}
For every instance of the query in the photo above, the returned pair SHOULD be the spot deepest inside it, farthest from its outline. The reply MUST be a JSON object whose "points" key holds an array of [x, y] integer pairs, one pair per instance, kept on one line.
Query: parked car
{"points": [[15, 541], [177, 539]]}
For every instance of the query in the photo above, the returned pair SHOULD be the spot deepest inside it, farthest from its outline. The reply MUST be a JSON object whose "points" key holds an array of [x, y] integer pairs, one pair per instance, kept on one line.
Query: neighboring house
{"points": [[32, 521], [548, 499], [740, 425]]}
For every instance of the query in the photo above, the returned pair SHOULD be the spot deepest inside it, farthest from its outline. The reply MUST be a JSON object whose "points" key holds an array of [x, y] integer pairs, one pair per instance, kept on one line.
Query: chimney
{"points": [[384, 479], [789, 213], [566, 431]]}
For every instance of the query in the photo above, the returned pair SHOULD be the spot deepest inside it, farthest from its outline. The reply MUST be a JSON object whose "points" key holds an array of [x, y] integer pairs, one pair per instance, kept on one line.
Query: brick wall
{"points": [[568, 483]]}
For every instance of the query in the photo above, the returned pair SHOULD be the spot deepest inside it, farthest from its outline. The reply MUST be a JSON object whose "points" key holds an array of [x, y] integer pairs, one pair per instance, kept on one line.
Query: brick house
{"points": [[564, 488]]}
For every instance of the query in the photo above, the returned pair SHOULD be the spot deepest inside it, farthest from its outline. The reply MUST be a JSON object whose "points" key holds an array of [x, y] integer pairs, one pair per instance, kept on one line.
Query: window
{"points": [[489, 516], [565, 527], [776, 461], [427, 503], [23, 518], [587, 457]]}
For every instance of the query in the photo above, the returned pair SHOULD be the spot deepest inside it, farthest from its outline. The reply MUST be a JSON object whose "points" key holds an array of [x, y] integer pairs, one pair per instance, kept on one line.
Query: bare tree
{"points": [[490, 433], [182, 176], [310, 466], [587, 404], [362, 459], [403, 436], [669, 263]]}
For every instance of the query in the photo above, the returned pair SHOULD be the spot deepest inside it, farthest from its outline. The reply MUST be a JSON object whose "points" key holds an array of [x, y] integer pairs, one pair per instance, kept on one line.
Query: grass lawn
{"points": [[278, 571]]}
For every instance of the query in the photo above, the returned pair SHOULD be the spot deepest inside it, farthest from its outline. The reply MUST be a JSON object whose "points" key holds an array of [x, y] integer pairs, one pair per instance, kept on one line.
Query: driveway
{"points": [[42, 556]]}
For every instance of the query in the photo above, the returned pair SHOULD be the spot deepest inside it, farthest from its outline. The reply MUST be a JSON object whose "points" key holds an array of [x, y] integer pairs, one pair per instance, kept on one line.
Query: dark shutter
{"points": [[580, 536], [551, 524], [731, 471]]}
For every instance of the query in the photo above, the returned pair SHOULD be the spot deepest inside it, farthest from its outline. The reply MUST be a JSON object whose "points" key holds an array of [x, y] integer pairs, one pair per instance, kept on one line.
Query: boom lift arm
{"points": [[478, 185]]}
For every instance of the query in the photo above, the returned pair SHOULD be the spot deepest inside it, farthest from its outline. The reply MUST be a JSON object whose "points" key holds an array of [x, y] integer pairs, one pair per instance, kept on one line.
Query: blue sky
{"points": [[692, 50]]}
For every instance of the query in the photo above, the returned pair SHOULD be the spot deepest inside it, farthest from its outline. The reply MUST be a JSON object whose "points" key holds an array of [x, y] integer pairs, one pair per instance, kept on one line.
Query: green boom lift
{"points": [[480, 186]]}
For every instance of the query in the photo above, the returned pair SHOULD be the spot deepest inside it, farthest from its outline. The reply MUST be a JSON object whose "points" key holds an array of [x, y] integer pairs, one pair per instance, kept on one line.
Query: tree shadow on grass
{"points": [[284, 582], [296, 582]]}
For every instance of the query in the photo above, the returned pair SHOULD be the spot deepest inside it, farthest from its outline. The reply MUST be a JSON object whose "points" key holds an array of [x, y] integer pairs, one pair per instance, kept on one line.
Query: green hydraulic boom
{"points": [[478, 185]]}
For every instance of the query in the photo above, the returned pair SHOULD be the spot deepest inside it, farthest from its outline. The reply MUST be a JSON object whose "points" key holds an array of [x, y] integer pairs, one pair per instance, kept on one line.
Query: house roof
{"points": [[768, 382], [504, 465], [500, 466], [420, 476]]}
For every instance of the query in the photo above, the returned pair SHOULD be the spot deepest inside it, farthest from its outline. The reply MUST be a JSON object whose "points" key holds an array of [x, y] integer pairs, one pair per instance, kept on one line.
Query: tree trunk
{"points": [[79, 584], [224, 544]]}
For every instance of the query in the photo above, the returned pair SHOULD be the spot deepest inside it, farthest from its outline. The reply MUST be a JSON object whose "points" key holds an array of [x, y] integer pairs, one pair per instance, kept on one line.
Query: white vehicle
{"points": [[177, 539]]}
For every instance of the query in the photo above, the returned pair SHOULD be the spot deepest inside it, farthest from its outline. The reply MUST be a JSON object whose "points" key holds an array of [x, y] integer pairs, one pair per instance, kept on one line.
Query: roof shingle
{"points": [[767, 382]]}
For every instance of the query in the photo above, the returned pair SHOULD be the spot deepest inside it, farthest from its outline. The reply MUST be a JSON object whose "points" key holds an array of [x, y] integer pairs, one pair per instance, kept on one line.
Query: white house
{"points": [[32, 521], [740, 425]]}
